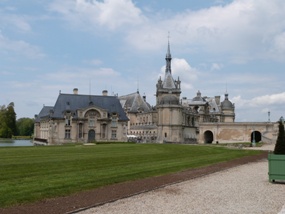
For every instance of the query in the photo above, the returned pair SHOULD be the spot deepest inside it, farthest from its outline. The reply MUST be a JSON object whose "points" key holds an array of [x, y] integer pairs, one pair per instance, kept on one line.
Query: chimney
{"points": [[217, 99], [105, 93], [75, 91], [144, 97]]}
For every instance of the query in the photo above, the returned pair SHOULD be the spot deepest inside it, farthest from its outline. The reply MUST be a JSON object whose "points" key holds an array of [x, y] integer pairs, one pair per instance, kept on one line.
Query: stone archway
{"points": [[91, 135], [208, 137], [256, 135]]}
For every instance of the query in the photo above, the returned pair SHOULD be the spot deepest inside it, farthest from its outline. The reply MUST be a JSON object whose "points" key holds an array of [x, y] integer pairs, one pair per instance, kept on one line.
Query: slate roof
{"points": [[226, 104], [134, 103], [168, 81], [198, 98], [73, 102], [213, 105], [43, 113]]}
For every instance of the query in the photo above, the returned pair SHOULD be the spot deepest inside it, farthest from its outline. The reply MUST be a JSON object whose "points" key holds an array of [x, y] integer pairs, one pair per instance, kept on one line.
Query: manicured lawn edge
{"points": [[35, 173]]}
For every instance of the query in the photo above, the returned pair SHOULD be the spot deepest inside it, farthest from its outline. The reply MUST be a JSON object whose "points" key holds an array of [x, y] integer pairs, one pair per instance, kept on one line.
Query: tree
{"points": [[7, 121], [11, 118], [25, 126], [280, 143]]}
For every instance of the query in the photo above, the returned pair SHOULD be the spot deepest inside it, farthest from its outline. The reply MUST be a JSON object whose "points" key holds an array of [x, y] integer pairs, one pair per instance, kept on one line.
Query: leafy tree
{"points": [[3, 126], [11, 118], [7, 121], [280, 143], [25, 126]]}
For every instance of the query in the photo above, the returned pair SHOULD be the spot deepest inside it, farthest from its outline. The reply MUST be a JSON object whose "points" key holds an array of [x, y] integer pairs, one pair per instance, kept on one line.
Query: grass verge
{"points": [[28, 174]]}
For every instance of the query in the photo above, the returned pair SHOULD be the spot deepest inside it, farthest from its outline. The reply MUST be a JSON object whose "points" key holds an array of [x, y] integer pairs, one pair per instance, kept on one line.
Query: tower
{"points": [[168, 87], [168, 105], [228, 110]]}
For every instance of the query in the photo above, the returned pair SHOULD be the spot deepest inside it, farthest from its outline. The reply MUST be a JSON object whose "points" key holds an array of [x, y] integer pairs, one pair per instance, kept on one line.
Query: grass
{"points": [[238, 144], [28, 174], [22, 137]]}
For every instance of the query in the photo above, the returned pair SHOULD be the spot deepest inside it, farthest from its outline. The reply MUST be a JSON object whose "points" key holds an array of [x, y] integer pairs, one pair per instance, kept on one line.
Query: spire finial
{"points": [[138, 86], [168, 57]]}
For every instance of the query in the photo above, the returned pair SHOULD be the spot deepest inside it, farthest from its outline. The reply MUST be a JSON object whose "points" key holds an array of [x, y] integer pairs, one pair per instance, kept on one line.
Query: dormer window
{"points": [[67, 118], [114, 120], [92, 117], [67, 122]]}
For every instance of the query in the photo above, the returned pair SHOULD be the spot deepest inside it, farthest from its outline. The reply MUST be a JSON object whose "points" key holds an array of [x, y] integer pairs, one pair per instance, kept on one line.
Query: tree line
{"points": [[9, 126]]}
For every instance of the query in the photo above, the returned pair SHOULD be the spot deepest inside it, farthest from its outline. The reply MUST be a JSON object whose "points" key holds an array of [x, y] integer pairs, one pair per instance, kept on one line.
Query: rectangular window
{"points": [[114, 134], [80, 134], [67, 122], [91, 122], [114, 122], [67, 134], [103, 131]]}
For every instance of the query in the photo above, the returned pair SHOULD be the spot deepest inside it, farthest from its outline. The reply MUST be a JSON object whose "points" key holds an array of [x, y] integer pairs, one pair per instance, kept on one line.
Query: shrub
{"points": [[280, 143]]}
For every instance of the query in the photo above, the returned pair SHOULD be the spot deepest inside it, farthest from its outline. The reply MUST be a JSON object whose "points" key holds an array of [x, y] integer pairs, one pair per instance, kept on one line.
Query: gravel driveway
{"points": [[239, 190]]}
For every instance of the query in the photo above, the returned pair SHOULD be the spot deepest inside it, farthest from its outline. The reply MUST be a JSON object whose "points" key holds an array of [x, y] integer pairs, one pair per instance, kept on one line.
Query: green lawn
{"points": [[28, 174]]}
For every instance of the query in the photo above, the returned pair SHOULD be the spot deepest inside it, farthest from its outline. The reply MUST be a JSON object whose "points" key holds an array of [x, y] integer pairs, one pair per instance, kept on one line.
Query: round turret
{"points": [[198, 97], [226, 104]]}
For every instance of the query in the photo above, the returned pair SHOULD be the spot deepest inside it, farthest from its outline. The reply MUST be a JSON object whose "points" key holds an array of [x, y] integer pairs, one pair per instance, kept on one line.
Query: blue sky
{"points": [[238, 46]]}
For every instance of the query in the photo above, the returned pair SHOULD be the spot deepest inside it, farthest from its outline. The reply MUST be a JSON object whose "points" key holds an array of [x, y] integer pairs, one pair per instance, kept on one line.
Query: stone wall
{"points": [[237, 132]]}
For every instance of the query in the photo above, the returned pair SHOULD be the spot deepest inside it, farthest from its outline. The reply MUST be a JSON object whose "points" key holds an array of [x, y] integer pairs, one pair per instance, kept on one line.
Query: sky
{"points": [[217, 46]]}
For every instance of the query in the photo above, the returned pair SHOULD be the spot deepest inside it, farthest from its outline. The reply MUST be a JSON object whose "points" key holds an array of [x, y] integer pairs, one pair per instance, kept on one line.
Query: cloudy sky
{"points": [[238, 46]]}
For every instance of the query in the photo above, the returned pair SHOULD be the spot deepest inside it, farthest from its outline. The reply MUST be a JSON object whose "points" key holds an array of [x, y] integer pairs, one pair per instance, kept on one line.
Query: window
{"points": [[67, 134], [91, 122], [80, 133], [103, 131], [114, 121], [67, 122], [114, 134]]}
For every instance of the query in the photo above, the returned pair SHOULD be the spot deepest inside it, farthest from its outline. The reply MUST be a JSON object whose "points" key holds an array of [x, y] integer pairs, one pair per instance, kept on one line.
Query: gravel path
{"points": [[243, 189]]}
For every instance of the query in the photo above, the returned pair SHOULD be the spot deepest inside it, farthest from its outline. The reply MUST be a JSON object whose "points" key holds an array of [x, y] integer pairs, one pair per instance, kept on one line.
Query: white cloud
{"points": [[82, 78], [181, 68], [279, 45], [20, 47], [93, 62], [108, 13], [243, 29], [216, 66], [261, 101], [76, 75], [14, 22], [256, 109], [273, 99], [6, 73]]}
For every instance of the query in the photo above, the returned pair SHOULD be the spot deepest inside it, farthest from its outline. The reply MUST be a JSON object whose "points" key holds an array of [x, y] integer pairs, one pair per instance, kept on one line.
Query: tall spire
{"points": [[168, 79], [168, 58]]}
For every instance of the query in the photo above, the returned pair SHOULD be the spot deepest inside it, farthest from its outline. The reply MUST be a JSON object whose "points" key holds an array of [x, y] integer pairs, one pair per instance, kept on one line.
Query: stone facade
{"points": [[81, 118], [201, 119], [238, 132]]}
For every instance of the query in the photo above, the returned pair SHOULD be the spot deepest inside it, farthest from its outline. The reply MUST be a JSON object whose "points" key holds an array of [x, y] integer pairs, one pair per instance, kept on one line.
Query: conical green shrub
{"points": [[280, 143]]}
